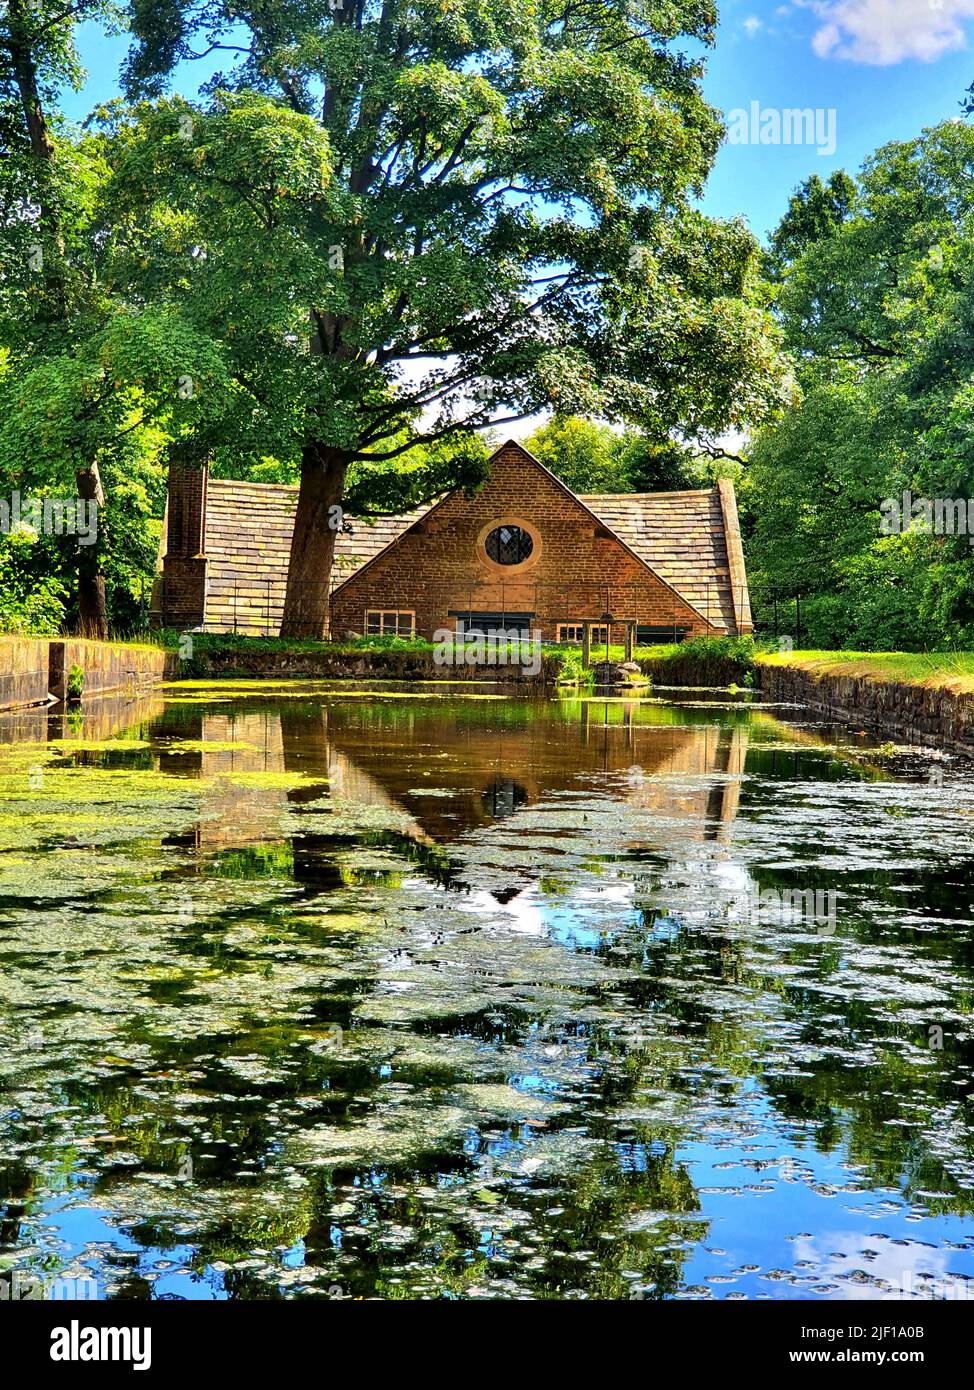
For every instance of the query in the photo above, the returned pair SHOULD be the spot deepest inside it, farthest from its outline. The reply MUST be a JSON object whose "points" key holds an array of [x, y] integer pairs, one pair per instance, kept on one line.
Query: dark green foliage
{"points": [[876, 297]]}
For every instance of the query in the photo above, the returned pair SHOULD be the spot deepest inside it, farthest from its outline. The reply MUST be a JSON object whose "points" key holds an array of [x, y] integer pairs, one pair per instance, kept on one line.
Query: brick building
{"points": [[522, 552]]}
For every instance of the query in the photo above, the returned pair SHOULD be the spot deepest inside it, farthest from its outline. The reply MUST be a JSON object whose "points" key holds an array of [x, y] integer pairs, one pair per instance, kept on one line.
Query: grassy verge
{"points": [[702, 661], [237, 642], [952, 671], [699, 661]]}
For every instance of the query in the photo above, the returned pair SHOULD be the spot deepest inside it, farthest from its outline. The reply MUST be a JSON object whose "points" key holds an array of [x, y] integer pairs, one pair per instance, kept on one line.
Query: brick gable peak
{"points": [[599, 520]]}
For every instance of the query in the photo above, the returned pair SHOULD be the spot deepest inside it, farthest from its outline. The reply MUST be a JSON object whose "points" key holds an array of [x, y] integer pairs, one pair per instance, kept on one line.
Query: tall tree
{"points": [[815, 210], [503, 223], [877, 307], [37, 37]]}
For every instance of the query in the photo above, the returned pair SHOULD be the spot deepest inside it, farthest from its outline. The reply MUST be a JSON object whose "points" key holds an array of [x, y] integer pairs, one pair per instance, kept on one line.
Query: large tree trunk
{"points": [[24, 69], [313, 543], [92, 609], [25, 75]]}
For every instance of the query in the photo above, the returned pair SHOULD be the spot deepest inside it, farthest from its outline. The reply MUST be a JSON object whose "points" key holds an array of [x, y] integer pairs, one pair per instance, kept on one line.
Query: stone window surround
{"points": [[508, 571]]}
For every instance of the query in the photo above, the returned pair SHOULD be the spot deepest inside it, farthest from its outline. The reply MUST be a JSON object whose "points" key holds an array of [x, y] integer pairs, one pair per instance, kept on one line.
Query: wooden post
{"points": [[630, 640], [586, 646]]}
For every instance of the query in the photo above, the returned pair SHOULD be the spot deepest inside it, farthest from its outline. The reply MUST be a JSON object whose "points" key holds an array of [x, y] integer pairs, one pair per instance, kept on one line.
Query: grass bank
{"points": [[950, 671], [701, 661], [214, 656]]}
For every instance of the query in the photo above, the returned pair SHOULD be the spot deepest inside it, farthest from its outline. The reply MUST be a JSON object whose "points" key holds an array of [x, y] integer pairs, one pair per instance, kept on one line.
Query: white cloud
{"points": [[752, 25], [882, 32], [898, 1269]]}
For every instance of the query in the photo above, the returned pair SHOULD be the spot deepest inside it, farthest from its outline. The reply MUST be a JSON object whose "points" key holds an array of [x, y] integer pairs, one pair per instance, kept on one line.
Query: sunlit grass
{"points": [[949, 670]]}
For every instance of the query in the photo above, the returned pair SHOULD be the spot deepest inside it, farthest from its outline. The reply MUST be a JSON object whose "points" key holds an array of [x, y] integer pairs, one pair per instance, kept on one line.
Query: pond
{"points": [[316, 992]]}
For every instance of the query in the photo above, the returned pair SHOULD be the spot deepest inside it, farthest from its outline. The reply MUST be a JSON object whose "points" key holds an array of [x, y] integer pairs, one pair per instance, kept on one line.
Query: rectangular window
{"points": [[574, 632], [383, 622], [483, 624], [649, 636]]}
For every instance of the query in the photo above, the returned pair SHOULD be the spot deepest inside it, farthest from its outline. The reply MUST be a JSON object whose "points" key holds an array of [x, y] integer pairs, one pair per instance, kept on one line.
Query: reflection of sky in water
{"points": [[588, 919], [812, 1225], [566, 1062], [84, 1231]]}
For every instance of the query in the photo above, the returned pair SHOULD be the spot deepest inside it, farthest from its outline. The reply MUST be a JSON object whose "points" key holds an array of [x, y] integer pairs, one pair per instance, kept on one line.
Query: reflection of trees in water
{"points": [[873, 1086], [17, 1187], [631, 1172], [608, 1195], [587, 1225], [438, 1205]]}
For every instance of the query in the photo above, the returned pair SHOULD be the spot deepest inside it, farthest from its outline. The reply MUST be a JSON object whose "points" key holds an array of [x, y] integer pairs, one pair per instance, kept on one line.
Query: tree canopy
{"points": [[382, 228], [590, 456], [877, 308], [492, 214]]}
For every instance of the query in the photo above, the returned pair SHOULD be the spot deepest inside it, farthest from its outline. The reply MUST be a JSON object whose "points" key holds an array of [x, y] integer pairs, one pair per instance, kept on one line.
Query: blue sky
{"points": [[887, 68]]}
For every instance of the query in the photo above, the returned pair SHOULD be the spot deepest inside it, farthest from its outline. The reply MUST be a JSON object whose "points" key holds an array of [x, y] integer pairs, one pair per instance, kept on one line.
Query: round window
{"points": [[508, 545]]}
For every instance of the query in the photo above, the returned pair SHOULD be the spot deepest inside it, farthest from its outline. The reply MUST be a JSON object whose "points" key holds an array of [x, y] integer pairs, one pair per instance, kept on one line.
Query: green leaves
{"points": [[32, 600], [877, 306], [72, 408], [391, 222], [489, 170]]}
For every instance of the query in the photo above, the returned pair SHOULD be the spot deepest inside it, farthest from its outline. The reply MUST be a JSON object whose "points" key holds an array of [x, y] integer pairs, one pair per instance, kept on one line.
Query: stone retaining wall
{"points": [[105, 665], [694, 670], [23, 672], [35, 670], [325, 664], [912, 713]]}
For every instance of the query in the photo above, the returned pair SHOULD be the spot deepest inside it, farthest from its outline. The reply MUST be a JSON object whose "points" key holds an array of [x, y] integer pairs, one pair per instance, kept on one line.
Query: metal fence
{"points": [[778, 612]]}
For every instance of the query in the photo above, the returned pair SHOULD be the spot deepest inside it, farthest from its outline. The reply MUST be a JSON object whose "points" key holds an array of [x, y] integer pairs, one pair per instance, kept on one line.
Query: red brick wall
{"points": [[184, 568], [576, 568], [183, 593], [187, 508]]}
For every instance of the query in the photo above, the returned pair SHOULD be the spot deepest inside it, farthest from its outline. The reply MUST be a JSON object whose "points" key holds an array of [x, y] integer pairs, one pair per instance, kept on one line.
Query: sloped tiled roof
{"points": [[248, 540], [680, 535]]}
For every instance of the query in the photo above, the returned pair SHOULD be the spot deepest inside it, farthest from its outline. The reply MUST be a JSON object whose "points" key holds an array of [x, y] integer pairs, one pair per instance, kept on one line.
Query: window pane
{"points": [[372, 626], [508, 545], [405, 624], [388, 624]]}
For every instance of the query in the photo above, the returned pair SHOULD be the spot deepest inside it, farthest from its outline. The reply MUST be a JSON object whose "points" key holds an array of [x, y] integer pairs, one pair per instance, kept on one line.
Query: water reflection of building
{"points": [[447, 770]]}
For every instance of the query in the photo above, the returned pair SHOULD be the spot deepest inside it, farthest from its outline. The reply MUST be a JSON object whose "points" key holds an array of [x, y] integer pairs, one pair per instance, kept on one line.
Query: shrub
{"points": [[31, 602]]}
